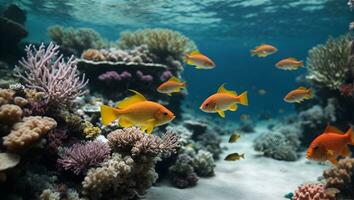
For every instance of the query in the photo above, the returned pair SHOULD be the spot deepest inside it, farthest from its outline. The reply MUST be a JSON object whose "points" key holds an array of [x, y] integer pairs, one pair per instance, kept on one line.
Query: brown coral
{"points": [[138, 143], [10, 114], [6, 96], [20, 101], [28, 131], [93, 54], [341, 176]]}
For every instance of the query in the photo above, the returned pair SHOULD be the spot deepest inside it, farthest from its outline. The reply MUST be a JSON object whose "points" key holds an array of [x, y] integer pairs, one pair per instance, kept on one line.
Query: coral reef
{"points": [[49, 73], [7, 161], [29, 130], [75, 41], [203, 164], [182, 173], [282, 143], [328, 63], [313, 191], [161, 42], [341, 177], [82, 156], [133, 140]]}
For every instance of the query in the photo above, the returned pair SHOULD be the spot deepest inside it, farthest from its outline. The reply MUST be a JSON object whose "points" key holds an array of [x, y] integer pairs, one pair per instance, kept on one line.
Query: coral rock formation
{"points": [[313, 191]]}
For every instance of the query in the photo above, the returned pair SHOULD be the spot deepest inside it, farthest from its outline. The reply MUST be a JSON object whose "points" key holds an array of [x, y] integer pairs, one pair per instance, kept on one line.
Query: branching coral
{"points": [[75, 41], [341, 177], [138, 143], [119, 178], [328, 65], [49, 73], [81, 156], [29, 130], [313, 191], [161, 42]]}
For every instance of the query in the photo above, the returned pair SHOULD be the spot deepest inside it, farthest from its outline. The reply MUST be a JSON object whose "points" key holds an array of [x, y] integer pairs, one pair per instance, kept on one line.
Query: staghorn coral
{"points": [[49, 73], [120, 178], [312, 191], [341, 177], [327, 64], [182, 174], [75, 41], [203, 164], [27, 131], [10, 114], [79, 157], [136, 142]]}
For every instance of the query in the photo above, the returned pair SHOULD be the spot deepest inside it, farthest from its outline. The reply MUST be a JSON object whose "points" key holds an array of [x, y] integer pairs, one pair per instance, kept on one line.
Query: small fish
{"points": [[298, 95], [234, 157], [173, 85], [289, 64], [262, 92], [330, 144], [263, 50], [244, 117], [234, 137], [137, 111], [224, 100], [199, 60]]}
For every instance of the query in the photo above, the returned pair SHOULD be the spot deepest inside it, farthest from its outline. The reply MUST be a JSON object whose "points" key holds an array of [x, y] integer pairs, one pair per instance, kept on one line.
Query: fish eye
{"points": [[207, 104], [165, 113], [315, 147]]}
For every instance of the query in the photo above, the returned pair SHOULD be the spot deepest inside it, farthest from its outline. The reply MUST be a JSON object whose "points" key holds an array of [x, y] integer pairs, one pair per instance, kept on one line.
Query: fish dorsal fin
{"points": [[291, 58], [195, 52], [131, 100], [301, 88], [222, 89], [173, 78], [332, 129]]}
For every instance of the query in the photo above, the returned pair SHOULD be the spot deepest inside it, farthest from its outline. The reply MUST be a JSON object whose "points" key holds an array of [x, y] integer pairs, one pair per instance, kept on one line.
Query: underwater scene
{"points": [[176, 100]]}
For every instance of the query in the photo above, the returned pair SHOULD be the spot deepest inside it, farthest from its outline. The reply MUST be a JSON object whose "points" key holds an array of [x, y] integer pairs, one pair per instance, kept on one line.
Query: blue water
{"points": [[223, 30]]}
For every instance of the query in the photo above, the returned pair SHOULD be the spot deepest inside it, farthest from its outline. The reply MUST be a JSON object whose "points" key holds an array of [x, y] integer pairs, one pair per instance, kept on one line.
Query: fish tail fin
{"points": [[186, 59], [309, 94], [351, 135], [184, 84], [243, 98], [108, 114], [302, 63], [243, 155]]}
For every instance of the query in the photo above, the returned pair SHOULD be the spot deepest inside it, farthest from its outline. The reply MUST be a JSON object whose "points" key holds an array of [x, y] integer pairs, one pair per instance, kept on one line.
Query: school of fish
{"points": [[136, 110]]}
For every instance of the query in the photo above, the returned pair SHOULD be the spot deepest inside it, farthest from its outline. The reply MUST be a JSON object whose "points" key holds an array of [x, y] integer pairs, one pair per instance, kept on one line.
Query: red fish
{"points": [[330, 144]]}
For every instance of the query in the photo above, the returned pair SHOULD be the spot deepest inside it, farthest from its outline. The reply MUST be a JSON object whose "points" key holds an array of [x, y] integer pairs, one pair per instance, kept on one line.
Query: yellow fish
{"points": [[234, 137], [234, 157], [137, 111], [199, 60], [298, 95], [289, 64], [263, 50], [224, 100], [171, 86]]}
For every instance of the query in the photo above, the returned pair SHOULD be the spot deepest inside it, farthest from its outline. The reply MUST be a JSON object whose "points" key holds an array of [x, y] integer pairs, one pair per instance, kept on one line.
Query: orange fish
{"points": [[298, 95], [171, 86], [289, 64], [223, 100], [137, 111], [199, 60], [263, 50], [330, 144]]}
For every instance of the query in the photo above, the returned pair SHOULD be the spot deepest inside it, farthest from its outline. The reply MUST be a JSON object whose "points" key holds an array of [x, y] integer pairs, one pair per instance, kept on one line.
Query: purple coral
{"points": [[146, 78], [47, 71], [166, 75], [79, 157], [113, 75]]}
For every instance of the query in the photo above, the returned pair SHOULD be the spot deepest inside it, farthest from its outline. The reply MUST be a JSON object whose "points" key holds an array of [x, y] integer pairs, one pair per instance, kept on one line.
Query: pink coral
{"points": [[46, 71], [311, 191], [166, 75], [113, 75], [146, 78], [347, 90]]}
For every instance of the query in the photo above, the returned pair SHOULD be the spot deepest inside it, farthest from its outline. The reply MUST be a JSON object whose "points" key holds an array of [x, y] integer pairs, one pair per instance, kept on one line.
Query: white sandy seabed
{"points": [[254, 178]]}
